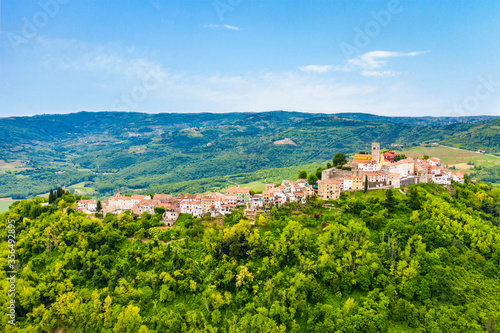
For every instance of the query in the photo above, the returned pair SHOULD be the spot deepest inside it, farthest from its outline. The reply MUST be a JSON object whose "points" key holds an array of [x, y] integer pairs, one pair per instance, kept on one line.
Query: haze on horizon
{"points": [[393, 58]]}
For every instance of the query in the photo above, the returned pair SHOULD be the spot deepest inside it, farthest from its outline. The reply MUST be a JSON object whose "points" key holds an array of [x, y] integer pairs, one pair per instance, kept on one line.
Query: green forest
{"points": [[383, 261], [182, 153]]}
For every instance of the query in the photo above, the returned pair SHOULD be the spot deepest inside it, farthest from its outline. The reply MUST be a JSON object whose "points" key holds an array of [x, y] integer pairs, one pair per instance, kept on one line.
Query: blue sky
{"points": [[409, 58]]}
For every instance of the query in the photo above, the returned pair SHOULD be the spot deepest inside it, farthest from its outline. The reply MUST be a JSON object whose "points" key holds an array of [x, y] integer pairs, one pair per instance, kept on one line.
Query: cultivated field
{"points": [[456, 157], [80, 189], [5, 203]]}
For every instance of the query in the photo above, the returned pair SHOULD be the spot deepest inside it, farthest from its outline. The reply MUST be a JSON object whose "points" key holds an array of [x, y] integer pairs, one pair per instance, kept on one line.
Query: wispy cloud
{"points": [[121, 70], [365, 64], [377, 59], [68, 54], [225, 26], [379, 73], [297, 91], [323, 68], [156, 5]]}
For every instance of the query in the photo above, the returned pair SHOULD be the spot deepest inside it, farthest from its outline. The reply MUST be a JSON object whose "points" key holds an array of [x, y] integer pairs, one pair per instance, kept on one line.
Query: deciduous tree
{"points": [[339, 159]]}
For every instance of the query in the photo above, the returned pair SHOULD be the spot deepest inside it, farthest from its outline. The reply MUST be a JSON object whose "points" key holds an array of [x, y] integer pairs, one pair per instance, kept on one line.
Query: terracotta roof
{"points": [[145, 202], [405, 161], [238, 190], [331, 181], [120, 198], [162, 196], [92, 201], [167, 205], [366, 162], [138, 196], [375, 173]]}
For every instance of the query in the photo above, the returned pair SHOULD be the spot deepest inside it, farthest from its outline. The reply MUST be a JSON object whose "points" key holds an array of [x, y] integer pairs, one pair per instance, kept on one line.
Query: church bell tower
{"points": [[376, 152]]}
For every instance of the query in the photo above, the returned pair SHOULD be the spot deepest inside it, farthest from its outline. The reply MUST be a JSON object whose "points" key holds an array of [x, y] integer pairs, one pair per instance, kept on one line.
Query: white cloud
{"points": [[68, 54], [323, 68], [379, 73], [225, 26], [230, 27], [365, 63], [286, 91], [376, 59], [120, 70]]}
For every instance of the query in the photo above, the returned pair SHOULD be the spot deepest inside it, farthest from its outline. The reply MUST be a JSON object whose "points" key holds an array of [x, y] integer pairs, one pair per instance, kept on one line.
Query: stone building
{"points": [[329, 189]]}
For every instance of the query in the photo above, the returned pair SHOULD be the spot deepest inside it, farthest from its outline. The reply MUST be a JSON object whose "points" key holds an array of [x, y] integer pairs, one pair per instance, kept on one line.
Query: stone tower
{"points": [[376, 152]]}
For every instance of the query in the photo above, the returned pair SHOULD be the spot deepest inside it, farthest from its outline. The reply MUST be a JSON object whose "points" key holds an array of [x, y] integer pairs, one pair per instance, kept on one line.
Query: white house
{"points": [[194, 208], [145, 205], [441, 179], [87, 205], [434, 161], [368, 166], [458, 177], [347, 183], [403, 167]]}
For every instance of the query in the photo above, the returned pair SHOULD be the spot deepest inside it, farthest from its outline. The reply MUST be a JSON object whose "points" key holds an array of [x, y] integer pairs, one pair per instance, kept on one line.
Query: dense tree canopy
{"points": [[312, 179], [399, 157], [339, 159], [427, 261]]}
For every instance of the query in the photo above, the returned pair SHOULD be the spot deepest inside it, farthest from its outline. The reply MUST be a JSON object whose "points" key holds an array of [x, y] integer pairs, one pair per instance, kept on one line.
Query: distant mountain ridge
{"points": [[140, 151], [53, 127]]}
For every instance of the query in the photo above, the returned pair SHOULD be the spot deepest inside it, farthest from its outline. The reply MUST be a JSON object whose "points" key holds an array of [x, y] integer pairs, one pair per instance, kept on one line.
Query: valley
{"points": [[179, 153]]}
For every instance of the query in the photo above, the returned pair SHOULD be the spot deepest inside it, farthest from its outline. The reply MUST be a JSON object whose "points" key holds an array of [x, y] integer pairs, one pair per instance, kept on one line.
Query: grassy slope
{"points": [[483, 135], [4, 205], [80, 189], [452, 156]]}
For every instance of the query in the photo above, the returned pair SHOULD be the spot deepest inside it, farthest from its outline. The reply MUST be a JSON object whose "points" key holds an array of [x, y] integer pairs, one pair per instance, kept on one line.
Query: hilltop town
{"points": [[383, 171], [366, 171]]}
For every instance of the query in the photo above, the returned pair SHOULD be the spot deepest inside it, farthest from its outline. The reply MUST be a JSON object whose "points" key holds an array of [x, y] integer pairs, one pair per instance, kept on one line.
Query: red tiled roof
{"points": [[138, 196], [162, 196], [331, 181]]}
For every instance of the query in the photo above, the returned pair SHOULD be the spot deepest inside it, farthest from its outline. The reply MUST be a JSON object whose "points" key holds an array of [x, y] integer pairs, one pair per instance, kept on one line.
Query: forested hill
{"points": [[60, 127], [104, 151], [384, 261]]}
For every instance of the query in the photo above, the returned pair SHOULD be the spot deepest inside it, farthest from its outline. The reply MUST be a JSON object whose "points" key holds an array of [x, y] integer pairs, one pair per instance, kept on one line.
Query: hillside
{"points": [[484, 135], [142, 152], [427, 261]]}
